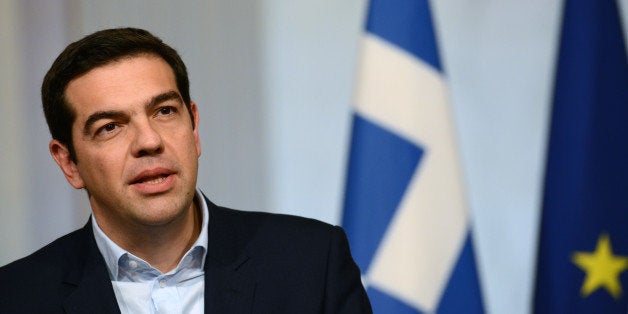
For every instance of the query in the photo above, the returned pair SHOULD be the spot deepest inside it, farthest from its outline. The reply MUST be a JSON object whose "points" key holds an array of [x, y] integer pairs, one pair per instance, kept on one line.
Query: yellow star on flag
{"points": [[602, 268]]}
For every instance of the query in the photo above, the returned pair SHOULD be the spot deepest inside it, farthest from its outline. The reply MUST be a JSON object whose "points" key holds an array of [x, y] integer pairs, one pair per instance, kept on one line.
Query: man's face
{"points": [[136, 150]]}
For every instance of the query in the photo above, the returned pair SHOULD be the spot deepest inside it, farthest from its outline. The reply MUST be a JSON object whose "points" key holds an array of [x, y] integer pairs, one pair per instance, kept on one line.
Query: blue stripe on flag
{"points": [[384, 303], [586, 195], [381, 165], [462, 294], [407, 24]]}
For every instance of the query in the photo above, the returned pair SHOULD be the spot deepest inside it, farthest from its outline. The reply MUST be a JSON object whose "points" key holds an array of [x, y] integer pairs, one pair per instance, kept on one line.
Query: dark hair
{"points": [[96, 50]]}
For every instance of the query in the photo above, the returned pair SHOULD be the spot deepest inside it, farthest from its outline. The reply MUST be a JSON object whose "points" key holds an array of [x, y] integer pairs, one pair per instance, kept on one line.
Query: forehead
{"points": [[120, 84]]}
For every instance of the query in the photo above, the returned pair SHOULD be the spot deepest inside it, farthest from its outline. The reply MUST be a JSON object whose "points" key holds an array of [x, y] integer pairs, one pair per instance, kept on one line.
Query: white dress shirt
{"points": [[141, 288]]}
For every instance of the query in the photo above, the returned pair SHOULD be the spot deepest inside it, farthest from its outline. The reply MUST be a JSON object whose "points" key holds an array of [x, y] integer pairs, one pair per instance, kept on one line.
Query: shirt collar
{"points": [[112, 253]]}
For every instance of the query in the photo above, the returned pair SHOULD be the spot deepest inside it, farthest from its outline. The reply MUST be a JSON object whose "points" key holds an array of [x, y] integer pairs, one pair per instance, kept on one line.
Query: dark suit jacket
{"points": [[256, 263]]}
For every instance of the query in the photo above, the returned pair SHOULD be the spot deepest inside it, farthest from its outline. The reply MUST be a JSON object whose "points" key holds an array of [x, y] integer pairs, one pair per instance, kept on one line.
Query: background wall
{"points": [[274, 82]]}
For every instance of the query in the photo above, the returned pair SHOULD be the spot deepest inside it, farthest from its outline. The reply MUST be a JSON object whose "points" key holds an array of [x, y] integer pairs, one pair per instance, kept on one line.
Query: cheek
{"points": [[184, 141], [101, 165], [186, 151]]}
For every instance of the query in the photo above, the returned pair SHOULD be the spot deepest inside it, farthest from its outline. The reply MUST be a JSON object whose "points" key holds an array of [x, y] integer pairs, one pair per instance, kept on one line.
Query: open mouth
{"points": [[152, 176], [152, 180]]}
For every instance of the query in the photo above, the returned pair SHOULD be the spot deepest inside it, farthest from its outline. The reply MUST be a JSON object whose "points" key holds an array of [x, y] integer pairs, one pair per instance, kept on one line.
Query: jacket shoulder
{"points": [[275, 222], [57, 254], [299, 263], [271, 230], [41, 276]]}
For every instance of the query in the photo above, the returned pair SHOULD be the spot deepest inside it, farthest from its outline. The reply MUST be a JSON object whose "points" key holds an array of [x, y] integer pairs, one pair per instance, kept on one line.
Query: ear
{"points": [[61, 155], [197, 140]]}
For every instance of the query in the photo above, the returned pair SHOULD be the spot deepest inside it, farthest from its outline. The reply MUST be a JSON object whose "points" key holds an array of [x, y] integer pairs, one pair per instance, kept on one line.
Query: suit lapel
{"points": [[94, 292], [229, 272], [229, 289]]}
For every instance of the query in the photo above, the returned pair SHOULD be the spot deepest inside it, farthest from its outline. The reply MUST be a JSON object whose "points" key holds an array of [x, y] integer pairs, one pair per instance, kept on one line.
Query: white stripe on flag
{"points": [[397, 90], [425, 237]]}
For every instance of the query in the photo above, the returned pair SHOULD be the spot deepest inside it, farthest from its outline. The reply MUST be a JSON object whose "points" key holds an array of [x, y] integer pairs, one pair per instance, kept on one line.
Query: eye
{"points": [[107, 128], [164, 111]]}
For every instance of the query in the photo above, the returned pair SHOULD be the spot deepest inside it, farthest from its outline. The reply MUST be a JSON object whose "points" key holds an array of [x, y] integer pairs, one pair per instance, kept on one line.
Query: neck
{"points": [[161, 246]]}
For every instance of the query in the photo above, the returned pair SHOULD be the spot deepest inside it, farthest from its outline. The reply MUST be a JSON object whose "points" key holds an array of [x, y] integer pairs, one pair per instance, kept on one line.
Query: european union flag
{"points": [[583, 252], [405, 212]]}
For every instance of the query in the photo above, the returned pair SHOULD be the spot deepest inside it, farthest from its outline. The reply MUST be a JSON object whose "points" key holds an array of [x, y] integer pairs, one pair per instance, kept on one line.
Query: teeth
{"points": [[155, 181]]}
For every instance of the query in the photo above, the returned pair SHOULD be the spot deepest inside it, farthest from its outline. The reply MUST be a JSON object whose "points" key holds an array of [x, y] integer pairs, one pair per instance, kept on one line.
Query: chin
{"points": [[162, 216]]}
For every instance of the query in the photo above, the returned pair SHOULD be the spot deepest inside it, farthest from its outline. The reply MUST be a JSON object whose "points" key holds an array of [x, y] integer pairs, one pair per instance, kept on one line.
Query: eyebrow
{"points": [[117, 114], [161, 98], [109, 114]]}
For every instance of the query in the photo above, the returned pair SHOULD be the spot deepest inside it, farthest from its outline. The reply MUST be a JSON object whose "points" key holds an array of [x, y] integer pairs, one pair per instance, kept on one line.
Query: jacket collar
{"points": [[94, 292], [229, 274]]}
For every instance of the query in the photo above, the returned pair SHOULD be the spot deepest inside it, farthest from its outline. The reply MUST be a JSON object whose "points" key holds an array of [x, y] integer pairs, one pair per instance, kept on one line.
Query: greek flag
{"points": [[405, 211]]}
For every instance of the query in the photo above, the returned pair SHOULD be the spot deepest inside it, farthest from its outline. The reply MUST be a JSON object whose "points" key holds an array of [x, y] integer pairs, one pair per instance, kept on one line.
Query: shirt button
{"points": [[132, 264], [162, 283]]}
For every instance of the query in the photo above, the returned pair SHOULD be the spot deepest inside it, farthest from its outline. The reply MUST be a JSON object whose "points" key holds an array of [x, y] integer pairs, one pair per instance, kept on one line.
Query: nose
{"points": [[148, 140]]}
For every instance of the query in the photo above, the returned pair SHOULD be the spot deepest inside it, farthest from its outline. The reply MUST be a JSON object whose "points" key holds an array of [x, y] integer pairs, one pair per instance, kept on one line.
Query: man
{"points": [[124, 129]]}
